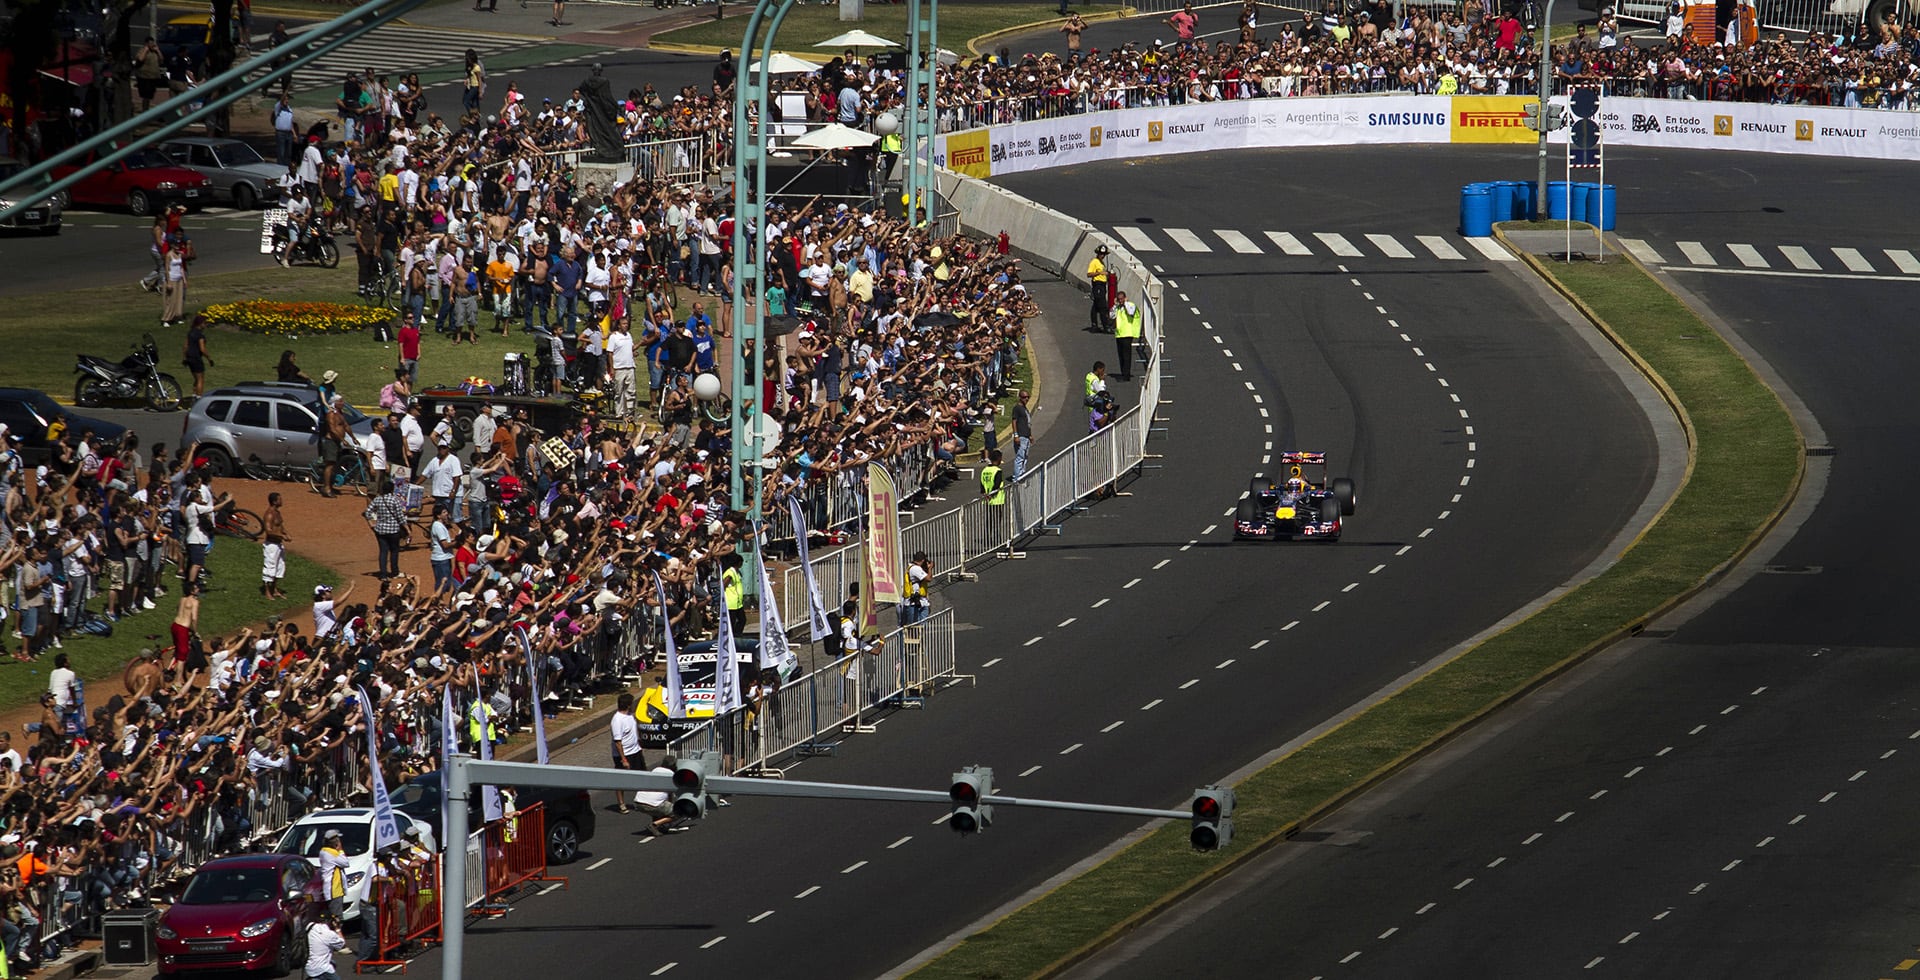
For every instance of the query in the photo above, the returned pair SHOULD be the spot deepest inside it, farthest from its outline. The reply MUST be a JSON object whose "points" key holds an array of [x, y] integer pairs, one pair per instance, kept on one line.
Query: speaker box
{"points": [[127, 937]]}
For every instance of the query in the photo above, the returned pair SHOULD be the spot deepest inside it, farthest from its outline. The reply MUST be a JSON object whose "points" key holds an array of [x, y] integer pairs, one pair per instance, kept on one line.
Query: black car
{"points": [[1305, 505], [27, 413], [569, 816]]}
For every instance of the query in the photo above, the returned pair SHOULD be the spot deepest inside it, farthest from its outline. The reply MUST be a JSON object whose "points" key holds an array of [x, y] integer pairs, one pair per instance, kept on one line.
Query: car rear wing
{"points": [[1304, 458]]}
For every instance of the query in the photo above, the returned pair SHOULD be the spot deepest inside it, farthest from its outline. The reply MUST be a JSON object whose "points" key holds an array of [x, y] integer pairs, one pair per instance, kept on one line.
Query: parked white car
{"points": [[356, 840]]}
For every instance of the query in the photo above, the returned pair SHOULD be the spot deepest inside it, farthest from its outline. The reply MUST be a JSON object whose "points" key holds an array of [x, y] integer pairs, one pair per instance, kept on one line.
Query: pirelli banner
{"points": [[1813, 130]]}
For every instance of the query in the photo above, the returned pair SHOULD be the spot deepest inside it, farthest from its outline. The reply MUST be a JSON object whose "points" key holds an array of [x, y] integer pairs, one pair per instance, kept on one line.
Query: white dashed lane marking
{"points": [[597, 865], [851, 868], [810, 890], [1111, 727], [1150, 705], [711, 943], [768, 912], [899, 842], [1030, 771]]}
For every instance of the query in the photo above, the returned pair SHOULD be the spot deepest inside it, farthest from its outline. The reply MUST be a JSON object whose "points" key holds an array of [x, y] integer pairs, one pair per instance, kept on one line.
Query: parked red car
{"points": [[144, 182], [249, 912]]}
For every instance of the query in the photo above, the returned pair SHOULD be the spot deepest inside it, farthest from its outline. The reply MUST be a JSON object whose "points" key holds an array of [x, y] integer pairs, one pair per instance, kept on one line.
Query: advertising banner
{"points": [[1810, 130], [966, 153], [883, 536], [1491, 119]]}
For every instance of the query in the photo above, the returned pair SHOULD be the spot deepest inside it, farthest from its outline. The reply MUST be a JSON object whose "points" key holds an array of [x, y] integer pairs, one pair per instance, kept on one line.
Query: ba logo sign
{"points": [[1645, 123], [1803, 130], [1155, 131], [1093, 136], [1723, 125], [1046, 145], [999, 152]]}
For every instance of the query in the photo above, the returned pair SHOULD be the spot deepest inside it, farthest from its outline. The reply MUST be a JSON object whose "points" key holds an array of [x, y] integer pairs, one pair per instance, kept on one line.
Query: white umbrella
{"points": [[834, 137], [782, 63], [857, 38]]}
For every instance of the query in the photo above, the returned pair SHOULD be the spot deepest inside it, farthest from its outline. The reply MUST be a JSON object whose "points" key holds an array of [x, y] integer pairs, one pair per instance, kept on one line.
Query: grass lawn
{"points": [[113, 318], [807, 26], [233, 601], [533, 56], [1746, 464]]}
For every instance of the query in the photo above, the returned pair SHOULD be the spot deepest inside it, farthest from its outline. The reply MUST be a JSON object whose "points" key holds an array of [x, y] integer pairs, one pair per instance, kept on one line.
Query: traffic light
{"points": [[690, 784], [1212, 828], [970, 786]]}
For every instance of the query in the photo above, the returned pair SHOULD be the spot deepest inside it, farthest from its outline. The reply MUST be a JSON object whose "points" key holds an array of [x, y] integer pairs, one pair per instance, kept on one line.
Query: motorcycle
{"points": [[315, 245], [136, 377]]}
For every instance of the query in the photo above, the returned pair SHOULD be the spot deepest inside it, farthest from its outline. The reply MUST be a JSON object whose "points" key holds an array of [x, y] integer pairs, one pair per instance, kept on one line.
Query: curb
{"points": [[972, 43], [1387, 770]]}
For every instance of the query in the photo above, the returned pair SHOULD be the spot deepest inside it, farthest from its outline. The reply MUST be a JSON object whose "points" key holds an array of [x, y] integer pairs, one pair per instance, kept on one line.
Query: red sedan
{"points": [[144, 182], [249, 912]]}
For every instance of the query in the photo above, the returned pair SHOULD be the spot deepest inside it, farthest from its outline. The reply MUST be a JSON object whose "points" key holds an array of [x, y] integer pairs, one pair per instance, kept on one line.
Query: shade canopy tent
{"points": [[834, 137], [782, 63], [857, 38]]}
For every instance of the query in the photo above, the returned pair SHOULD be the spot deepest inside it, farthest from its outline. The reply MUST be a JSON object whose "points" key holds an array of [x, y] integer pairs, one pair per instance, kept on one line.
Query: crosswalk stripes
{"points": [[1339, 244], [1904, 261], [1440, 247], [1136, 239], [1288, 243], [1188, 240], [1491, 249], [1748, 255], [397, 49], [1390, 246], [1853, 260], [1800, 258], [1642, 251], [1238, 242], [1696, 253]]}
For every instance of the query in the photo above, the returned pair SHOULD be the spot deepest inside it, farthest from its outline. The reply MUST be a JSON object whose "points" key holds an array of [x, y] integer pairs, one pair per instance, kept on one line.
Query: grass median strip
{"points": [[1746, 463], [806, 26]]}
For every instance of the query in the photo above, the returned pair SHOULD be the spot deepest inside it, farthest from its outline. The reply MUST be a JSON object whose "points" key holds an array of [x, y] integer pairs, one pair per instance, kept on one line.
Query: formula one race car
{"points": [[1306, 504]]}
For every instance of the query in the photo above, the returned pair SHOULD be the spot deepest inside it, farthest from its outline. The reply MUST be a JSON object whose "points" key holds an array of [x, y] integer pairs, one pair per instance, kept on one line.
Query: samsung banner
{"points": [[1275, 123]]}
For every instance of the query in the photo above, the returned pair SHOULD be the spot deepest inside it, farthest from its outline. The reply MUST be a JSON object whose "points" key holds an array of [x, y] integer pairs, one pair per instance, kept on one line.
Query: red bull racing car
{"points": [[1304, 504]]}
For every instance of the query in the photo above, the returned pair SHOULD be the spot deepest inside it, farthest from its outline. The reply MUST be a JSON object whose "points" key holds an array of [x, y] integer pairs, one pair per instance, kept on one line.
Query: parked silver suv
{"points": [[276, 421]]}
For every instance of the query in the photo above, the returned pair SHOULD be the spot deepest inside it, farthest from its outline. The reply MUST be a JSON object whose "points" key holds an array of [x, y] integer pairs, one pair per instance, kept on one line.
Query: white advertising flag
{"points": [[386, 829], [818, 626], [675, 696], [775, 651]]}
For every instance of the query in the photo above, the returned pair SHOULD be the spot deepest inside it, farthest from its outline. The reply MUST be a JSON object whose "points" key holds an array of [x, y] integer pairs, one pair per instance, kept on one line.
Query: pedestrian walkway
{"points": [[396, 49], [1321, 244], [1778, 259]]}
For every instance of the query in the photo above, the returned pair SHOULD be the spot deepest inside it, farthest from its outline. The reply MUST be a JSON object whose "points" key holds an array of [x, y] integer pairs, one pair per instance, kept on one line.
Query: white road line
{"points": [[711, 943], [1829, 796], [1131, 584], [1801, 260], [1264, 415], [1222, 665], [1389, 932], [1439, 247], [1904, 261], [1748, 255], [1375, 570], [1563, 818], [811, 889], [1597, 794], [1536, 836], [1629, 937], [1033, 641], [1788, 274], [1496, 862], [1357, 282], [851, 868], [1208, 530], [597, 865], [1262, 643], [1796, 820], [1730, 709], [1635, 771], [1888, 754], [1289, 626], [899, 842], [1236, 241], [768, 912], [1697, 889], [1138, 240], [1187, 240], [1764, 841], [1852, 259], [1350, 957], [1164, 562], [1424, 909], [1762, 689], [1189, 683], [1184, 298], [1380, 310], [1366, 296], [556, 886], [1188, 546], [1150, 705], [1491, 249], [1642, 251], [1069, 621], [1257, 400], [1856, 776], [664, 969], [1731, 865], [1596, 961], [1696, 253], [1391, 246], [1403, 550], [1288, 243], [1030, 771], [1101, 603], [1111, 727], [1697, 729], [1069, 750], [1324, 603], [1351, 586], [1464, 882], [1338, 244], [1426, 532], [1663, 914], [1446, 513], [991, 662]]}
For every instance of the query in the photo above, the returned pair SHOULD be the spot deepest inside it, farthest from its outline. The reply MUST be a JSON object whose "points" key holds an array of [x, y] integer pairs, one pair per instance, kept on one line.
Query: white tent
{"points": [[857, 39], [782, 63], [834, 137]]}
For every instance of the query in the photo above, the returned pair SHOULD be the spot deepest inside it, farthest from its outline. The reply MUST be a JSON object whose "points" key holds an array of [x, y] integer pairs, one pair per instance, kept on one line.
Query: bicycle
{"points": [[256, 468], [350, 472], [385, 292], [238, 522]]}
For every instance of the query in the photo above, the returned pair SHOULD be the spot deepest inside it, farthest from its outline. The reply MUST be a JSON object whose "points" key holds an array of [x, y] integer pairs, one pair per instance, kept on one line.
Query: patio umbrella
{"points": [[782, 63], [835, 137], [857, 38]]}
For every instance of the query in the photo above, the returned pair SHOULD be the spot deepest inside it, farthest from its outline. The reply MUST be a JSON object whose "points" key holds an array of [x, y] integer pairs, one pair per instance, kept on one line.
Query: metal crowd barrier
{"points": [[683, 160]]}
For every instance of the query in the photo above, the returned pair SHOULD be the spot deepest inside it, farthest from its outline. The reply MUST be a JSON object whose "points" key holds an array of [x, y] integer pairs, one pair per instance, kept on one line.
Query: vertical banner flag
{"points": [[883, 536], [675, 696], [447, 741], [726, 680], [386, 829], [490, 809], [817, 625], [533, 690], [775, 651]]}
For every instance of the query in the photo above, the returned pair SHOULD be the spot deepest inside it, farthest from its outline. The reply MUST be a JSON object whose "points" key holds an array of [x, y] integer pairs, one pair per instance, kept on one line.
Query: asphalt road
{"points": [[1141, 653], [1724, 797]]}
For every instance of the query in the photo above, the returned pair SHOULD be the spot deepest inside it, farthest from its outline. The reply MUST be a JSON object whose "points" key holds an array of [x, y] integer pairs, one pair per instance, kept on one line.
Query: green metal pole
{"points": [[910, 126], [923, 191]]}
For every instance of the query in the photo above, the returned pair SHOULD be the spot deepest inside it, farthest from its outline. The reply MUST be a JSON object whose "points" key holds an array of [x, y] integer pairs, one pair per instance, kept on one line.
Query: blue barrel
{"points": [[1500, 197], [1476, 211], [1600, 207], [1578, 193], [1557, 200], [1526, 200]]}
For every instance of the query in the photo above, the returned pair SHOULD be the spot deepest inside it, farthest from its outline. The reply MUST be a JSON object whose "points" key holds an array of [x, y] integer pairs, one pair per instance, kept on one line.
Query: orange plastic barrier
{"points": [[516, 851], [406, 909]]}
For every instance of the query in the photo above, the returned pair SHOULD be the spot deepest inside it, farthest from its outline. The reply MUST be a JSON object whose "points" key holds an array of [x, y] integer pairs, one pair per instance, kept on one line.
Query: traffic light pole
{"points": [[1546, 87], [466, 772]]}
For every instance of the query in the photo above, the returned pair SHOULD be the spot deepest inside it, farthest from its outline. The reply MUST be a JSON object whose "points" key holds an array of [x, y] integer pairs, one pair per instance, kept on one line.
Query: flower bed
{"points": [[296, 319]]}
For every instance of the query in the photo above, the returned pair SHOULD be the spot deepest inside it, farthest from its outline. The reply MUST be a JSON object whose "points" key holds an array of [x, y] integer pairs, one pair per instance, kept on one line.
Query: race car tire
{"points": [[1330, 509], [1246, 513], [1259, 484], [1342, 490]]}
